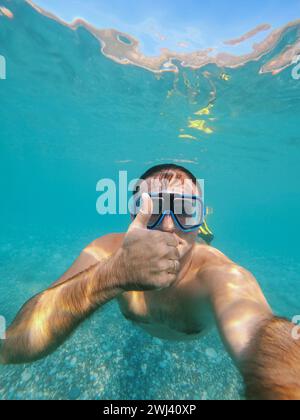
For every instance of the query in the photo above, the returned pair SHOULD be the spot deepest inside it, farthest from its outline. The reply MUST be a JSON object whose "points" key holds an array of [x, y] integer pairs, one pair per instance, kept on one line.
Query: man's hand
{"points": [[150, 259]]}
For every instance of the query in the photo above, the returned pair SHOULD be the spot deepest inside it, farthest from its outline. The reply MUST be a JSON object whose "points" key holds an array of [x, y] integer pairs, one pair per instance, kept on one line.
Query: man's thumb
{"points": [[144, 215]]}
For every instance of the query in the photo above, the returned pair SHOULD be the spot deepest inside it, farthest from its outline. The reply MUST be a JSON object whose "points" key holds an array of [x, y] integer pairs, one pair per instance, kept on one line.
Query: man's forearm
{"points": [[45, 322], [271, 365]]}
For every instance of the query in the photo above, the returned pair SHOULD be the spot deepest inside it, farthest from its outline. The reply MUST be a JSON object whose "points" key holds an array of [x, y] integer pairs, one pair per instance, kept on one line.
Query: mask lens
{"points": [[189, 211], [157, 210], [136, 205]]}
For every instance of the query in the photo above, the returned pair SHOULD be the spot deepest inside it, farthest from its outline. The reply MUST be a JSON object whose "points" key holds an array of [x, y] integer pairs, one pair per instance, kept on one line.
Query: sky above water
{"points": [[180, 25]]}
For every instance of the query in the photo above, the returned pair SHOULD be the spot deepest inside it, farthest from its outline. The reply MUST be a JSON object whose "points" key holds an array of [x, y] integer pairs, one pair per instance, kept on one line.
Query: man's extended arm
{"points": [[261, 345], [47, 320], [146, 260]]}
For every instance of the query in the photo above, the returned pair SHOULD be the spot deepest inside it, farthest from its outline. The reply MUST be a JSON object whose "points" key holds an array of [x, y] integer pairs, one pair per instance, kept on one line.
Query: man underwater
{"points": [[168, 284]]}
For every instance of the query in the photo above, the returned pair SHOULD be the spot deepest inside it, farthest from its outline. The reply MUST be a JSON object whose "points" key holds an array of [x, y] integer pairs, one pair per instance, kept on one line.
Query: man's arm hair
{"points": [[271, 368], [48, 319]]}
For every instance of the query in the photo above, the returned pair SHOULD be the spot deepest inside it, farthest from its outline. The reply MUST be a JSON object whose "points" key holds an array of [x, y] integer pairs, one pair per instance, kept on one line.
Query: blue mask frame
{"points": [[171, 213]]}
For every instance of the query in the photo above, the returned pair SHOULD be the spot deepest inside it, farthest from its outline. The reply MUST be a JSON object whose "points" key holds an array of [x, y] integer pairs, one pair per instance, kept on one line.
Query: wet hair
{"points": [[168, 172], [272, 369]]}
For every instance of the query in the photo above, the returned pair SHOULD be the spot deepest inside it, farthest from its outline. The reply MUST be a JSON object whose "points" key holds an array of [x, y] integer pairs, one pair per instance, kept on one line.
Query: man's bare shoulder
{"points": [[100, 248], [207, 256], [213, 267], [105, 245]]}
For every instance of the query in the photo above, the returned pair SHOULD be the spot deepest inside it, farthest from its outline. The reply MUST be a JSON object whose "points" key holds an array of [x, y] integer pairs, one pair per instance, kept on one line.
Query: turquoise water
{"points": [[69, 117]]}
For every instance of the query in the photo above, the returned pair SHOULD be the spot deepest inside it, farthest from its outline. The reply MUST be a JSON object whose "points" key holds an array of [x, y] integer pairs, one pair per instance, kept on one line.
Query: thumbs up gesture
{"points": [[150, 259]]}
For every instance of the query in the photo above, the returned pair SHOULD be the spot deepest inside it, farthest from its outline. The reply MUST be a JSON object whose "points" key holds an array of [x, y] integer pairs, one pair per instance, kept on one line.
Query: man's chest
{"points": [[182, 310]]}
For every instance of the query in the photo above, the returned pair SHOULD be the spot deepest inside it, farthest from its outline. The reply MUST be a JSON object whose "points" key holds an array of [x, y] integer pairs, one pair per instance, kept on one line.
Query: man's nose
{"points": [[168, 224]]}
